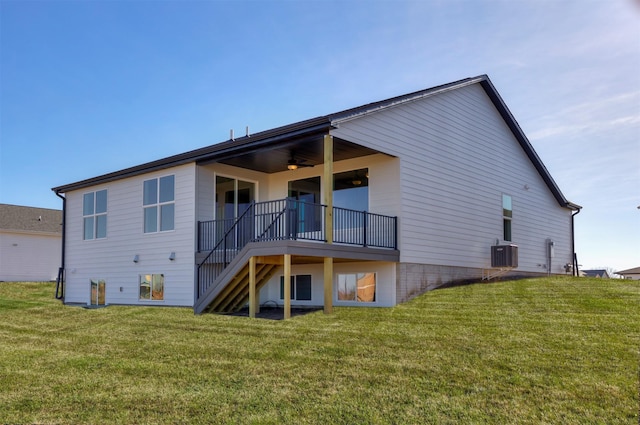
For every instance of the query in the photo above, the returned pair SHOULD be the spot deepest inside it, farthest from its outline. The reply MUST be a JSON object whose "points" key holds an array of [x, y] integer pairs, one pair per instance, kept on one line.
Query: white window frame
{"points": [[158, 204], [356, 301], [151, 278], [235, 178], [94, 216]]}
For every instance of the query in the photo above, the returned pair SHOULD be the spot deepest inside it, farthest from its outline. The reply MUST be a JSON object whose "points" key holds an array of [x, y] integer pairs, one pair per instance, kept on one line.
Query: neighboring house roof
{"points": [[635, 270], [596, 273], [30, 219], [322, 125]]}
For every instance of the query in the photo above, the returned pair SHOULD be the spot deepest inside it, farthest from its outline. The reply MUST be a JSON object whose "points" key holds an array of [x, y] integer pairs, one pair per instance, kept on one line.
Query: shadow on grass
{"points": [[270, 312]]}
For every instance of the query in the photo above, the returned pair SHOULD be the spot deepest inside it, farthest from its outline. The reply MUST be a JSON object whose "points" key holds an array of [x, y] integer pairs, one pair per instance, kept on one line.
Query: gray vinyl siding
{"points": [[111, 258], [457, 157]]}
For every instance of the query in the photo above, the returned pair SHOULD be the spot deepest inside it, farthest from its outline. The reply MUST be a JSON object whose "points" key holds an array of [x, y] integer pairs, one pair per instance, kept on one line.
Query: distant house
{"points": [[601, 273], [633, 273], [370, 206], [30, 243]]}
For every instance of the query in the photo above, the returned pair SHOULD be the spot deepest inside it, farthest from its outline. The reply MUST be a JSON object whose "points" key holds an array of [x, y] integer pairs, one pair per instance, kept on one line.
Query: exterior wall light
{"points": [[172, 256]]}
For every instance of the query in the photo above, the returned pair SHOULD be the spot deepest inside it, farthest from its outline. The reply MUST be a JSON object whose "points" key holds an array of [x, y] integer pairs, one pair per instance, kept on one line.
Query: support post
{"points": [[328, 219], [328, 187], [252, 287], [328, 285], [287, 286]]}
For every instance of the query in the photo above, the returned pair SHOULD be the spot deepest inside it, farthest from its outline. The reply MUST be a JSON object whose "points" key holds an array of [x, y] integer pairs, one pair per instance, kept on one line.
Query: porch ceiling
{"points": [[308, 151]]}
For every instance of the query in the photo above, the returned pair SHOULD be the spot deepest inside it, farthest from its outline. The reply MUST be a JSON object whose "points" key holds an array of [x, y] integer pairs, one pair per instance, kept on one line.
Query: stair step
{"points": [[236, 293]]}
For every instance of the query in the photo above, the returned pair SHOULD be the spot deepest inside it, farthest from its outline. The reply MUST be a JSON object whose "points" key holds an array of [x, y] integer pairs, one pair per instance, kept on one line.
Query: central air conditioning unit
{"points": [[504, 256]]}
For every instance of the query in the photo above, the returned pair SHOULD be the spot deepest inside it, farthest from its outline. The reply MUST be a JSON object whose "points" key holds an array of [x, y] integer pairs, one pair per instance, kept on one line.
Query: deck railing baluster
{"points": [[286, 219]]}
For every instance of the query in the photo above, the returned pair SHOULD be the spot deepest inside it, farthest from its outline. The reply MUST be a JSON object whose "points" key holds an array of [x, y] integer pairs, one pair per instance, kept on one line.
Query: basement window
{"points": [[359, 287], [98, 292], [300, 287], [152, 287]]}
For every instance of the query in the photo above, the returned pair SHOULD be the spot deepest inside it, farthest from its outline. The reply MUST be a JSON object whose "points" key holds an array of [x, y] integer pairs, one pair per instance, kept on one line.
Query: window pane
{"points": [[506, 206], [101, 201], [351, 190], [346, 287], [145, 287], [94, 292], [88, 228], [224, 191], [166, 188], [166, 217], [101, 226], [506, 224], [366, 287], [151, 219], [157, 287], [303, 287], [98, 293], [87, 204], [150, 195]]}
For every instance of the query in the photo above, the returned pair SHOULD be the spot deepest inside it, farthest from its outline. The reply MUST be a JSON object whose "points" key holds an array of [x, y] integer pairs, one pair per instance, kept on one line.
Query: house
{"points": [[633, 273], [30, 247], [601, 273], [370, 206]]}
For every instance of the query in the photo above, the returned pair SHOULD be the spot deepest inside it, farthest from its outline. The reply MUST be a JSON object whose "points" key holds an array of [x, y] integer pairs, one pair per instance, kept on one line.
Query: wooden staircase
{"points": [[236, 293]]}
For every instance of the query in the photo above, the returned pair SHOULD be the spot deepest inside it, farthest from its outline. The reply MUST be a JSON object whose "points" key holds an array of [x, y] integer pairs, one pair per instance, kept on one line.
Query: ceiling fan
{"points": [[294, 164]]}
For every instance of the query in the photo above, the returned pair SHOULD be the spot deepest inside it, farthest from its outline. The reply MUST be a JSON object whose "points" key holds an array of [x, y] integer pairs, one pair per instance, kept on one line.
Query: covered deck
{"points": [[237, 256]]}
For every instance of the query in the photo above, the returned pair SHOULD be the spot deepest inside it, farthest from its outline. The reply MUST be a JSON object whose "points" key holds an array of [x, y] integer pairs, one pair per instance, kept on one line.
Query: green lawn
{"points": [[557, 350]]}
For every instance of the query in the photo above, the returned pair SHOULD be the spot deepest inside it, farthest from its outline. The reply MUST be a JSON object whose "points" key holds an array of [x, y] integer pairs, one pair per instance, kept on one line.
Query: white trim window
{"points": [[357, 287], [94, 215], [159, 204], [151, 287]]}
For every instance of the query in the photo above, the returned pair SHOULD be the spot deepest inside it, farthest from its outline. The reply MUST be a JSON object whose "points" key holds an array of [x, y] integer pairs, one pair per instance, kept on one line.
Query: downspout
{"points": [[576, 272], [61, 274]]}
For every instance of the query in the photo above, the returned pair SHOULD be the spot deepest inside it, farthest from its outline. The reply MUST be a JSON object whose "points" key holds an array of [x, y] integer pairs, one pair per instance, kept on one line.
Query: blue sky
{"points": [[90, 87]]}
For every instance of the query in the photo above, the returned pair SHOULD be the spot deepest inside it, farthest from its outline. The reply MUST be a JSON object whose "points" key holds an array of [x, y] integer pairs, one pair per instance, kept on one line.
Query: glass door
{"points": [[233, 198]]}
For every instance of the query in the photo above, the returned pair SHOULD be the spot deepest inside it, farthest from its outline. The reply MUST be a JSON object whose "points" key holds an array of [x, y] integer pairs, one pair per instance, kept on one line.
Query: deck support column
{"points": [[328, 187], [328, 285], [287, 286], [252, 287], [328, 222]]}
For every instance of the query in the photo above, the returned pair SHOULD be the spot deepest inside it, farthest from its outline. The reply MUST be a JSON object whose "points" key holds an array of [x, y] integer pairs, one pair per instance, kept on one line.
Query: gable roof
{"points": [[635, 270], [322, 125], [596, 273], [30, 219]]}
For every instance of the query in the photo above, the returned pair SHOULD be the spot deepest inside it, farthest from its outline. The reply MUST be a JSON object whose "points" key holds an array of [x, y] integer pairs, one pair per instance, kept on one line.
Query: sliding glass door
{"points": [[233, 198]]}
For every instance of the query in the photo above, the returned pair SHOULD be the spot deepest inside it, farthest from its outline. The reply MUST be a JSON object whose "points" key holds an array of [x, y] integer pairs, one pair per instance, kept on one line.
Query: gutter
{"points": [[576, 272], [61, 274]]}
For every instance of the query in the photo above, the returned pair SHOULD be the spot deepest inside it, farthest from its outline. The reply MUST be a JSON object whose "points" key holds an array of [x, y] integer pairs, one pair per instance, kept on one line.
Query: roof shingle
{"points": [[30, 219]]}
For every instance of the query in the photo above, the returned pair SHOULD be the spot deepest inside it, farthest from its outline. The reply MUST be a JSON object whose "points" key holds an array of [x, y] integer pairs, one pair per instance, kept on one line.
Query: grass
{"points": [[556, 350]]}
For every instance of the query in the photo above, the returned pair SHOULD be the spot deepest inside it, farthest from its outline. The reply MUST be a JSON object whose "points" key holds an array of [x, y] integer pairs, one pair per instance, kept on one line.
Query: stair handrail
{"points": [[222, 241]]}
